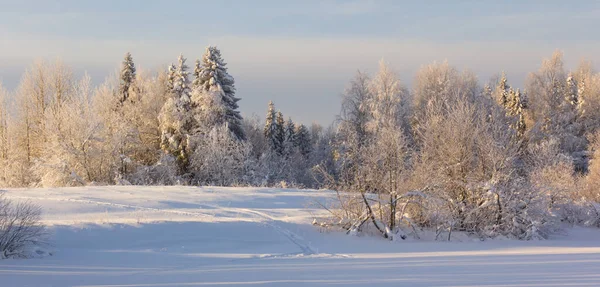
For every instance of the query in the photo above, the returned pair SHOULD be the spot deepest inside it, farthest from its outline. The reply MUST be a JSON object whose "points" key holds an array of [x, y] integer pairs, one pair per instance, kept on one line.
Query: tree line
{"points": [[177, 126], [448, 154]]}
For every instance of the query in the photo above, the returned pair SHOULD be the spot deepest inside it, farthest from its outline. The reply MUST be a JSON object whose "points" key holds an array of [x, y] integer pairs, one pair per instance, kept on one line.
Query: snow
{"points": [[210, 236]]}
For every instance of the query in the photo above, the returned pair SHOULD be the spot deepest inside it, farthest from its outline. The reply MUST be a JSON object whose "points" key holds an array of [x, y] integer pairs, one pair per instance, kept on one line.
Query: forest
{"points": [[448, 154]]}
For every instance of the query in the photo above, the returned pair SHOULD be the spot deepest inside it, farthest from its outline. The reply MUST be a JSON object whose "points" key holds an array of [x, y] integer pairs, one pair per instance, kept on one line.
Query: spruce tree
{"points": [[181, 83], [303, 141], [515, 108], [126, 78], [213, 76], [270, 130], [196, 84], [502, 91], [290, 137], [280, 133], [572, 96], [176, 121]]}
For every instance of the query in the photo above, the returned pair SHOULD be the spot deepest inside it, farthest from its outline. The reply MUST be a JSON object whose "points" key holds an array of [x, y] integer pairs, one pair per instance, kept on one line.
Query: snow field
{"points": [[209, 236]]}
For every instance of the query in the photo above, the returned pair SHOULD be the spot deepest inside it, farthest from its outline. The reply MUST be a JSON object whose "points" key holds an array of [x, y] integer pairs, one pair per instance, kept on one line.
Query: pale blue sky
{"points": [[300, 54]]}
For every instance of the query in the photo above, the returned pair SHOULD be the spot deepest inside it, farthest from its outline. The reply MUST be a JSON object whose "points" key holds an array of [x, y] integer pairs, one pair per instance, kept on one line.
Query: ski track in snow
{"points": [[265, 218], [128, 206], [208, 236]]}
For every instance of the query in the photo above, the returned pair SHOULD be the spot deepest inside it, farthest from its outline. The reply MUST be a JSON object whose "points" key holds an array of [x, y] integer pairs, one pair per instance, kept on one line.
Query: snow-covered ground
{"points": [[187, 236]]}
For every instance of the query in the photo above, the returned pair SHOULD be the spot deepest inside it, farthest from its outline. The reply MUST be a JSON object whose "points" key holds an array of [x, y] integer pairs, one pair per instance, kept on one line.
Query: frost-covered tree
{"points": [[438, 86], [546, 90], [303, 140], [214, 77], [127, 77], [389, 103], [280, 133], [553, 111], [515, 108], [221, 159], [272, 130], [352, 133], [176, 121], [290, 137], [4, 138], [74, 153], [355, 113], [197, 83], [501, 93], [181, 82], [42, 91]]}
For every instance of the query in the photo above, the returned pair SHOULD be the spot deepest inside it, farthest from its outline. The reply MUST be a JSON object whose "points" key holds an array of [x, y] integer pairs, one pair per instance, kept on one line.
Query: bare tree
{"points": [[20, 228]]}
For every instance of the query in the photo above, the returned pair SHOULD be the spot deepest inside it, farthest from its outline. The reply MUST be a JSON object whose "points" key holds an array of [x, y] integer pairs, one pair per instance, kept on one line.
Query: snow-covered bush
{"points": [[20, 229], [163, 172], [220, 158]]}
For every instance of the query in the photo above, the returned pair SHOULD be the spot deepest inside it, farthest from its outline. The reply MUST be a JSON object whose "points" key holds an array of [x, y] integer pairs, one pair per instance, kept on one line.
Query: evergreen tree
{"points": [[127, 77], [290, 136], [487, 91], [171, 78], [270, 131], [303, 140], [280, 133], [196, 84], [572, 96], [214, 77], [515, 108], [502, 91], [176, 121], [181, 83]]}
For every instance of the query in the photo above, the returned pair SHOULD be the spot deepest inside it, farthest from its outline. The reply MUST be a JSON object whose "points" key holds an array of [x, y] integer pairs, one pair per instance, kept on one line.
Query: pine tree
{"points": [[515, 108], [270, 130], [181, 83], [572, 96], [196, 84], [127, 77], [290, 137], [280, 133], [214, 77], [487, 91], [170, 78], [303, 140], [502, 91], [176, 121]]}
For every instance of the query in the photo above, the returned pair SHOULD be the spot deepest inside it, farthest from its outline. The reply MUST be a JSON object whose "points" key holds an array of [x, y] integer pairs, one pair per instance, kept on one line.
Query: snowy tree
{"points": [[290, 137], [272, 131], [546, 90], [4, 138], [501, 93], [221, 159], [515, 107], [438, 86], [197, 83], [388, 105], [214, 77], [280, 133], [42, 91], [171, 78], [175, 119], [74, 153], [553, 111], [352, 133], [303, 140], [355, 112], [127, 77], [207, 110], [181, 82]]}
